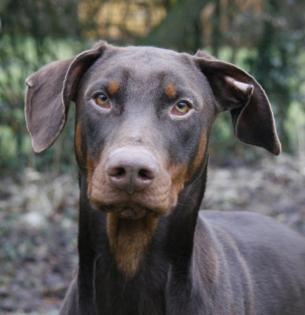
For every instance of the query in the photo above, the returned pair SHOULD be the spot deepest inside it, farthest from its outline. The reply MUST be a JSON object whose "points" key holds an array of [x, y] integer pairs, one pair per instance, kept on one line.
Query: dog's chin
{"points": [[130, 211]]}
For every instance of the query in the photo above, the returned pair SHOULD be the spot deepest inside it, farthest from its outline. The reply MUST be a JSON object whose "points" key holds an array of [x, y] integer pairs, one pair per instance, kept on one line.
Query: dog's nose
{"points": [[131, 169]]}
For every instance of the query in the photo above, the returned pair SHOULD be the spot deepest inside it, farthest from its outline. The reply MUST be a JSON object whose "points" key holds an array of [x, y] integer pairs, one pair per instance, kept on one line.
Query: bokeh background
{"points": [[39, 194]]}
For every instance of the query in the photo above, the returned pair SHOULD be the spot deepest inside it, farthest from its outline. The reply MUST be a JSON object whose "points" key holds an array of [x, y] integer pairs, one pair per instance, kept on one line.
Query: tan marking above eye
{"points": [[129, 240], [171, 90], [113, 87]]}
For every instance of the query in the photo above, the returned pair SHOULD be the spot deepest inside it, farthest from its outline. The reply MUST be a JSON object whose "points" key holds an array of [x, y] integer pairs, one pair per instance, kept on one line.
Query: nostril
{"points": [[131, 169], [145, 174], [117, 172]]}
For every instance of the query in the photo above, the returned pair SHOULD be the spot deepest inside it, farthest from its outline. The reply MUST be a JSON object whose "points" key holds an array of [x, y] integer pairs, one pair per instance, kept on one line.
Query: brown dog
{"points": [[143, 119]]}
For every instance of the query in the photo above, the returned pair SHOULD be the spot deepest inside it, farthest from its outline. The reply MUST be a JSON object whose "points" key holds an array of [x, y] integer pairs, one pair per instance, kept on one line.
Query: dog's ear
{"points": [[49, 91], [237, 91]]}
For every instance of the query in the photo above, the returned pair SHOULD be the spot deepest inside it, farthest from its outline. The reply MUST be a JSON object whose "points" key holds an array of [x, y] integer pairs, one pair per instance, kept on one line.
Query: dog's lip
{"points": [[133, 213], [127, 210]]}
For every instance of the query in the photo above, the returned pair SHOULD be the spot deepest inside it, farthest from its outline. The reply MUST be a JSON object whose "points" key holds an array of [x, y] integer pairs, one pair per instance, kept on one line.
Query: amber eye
{"points": [[181, 108], [102, 100]]}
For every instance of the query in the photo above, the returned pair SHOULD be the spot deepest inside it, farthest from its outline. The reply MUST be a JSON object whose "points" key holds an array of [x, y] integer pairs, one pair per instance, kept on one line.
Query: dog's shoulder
{"points": [[250, 227], [260, 240], [258, 255]]}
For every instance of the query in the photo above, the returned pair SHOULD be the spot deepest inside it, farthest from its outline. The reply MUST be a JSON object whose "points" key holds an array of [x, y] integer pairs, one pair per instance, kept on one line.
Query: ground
{"points": [[38, 224]]}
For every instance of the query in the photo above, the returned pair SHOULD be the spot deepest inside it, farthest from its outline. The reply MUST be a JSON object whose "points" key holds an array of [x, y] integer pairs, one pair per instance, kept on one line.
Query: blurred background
{"points": [[39, 194]]}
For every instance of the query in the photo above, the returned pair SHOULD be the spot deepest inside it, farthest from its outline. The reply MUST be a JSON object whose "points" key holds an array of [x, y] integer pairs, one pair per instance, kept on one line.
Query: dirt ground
{"points": [[38, 224]]}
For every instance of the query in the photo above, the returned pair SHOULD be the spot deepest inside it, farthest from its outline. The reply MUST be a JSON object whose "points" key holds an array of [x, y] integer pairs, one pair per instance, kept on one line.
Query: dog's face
{"points": [[143, 116]]}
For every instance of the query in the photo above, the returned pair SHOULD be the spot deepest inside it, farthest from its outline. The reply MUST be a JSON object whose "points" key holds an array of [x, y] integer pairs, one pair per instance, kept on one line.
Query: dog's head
{"points": [[143, 119]]}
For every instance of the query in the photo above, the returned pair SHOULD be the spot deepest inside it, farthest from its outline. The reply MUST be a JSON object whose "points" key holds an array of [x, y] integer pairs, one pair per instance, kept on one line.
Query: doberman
{"points": [[143, 119]]}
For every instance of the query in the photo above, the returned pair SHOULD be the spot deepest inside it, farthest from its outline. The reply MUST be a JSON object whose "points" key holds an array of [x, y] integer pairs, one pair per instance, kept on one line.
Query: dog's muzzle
{"points": [[130, 182], [131, 169]]}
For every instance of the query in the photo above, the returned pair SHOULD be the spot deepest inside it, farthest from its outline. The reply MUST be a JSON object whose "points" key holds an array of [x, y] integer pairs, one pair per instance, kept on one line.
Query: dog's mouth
{"points": [[130, 211]]}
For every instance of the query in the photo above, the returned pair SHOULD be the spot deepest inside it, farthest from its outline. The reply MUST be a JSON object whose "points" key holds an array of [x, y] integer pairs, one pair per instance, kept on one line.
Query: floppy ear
{"points": [[237, 91], [49, 91]]}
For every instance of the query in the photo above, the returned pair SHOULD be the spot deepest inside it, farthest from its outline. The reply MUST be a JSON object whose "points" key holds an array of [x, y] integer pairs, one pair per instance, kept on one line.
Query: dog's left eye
{"points": [[181, 108], [102, 100]]}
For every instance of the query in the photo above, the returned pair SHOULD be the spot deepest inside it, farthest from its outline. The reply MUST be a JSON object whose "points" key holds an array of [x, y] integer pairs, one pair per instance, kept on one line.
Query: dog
{"points": [[143, 120]]}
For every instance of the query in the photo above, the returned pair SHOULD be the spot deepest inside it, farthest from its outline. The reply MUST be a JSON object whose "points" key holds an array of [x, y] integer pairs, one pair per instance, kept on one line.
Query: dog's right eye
{"points": [[181, 108], [102, 100]]}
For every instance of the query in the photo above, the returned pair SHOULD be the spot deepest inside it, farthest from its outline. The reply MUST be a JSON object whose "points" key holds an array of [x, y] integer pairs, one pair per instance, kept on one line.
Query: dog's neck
{"points": [[168, 254]]}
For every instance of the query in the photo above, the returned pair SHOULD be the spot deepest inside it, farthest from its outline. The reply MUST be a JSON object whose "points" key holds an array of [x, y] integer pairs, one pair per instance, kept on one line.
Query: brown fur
{"points": [[197, 161], [90, 170], [128, 240], [171, 90], [178, 175], [113, 87], [78, 141]]}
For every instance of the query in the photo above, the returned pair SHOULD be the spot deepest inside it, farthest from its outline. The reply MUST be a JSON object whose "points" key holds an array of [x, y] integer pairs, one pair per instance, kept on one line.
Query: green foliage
{"points": [[180, 30], [18, 59], [258, 36], [295, 127]]}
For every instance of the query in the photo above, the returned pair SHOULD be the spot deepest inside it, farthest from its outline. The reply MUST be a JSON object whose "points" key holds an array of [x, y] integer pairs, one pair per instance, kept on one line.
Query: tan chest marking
{"points": [[129, 239]]}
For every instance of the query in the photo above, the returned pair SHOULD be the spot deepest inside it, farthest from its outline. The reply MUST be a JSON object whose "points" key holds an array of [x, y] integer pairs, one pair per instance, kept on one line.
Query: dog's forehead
{"points": [[144, 63], [146, 56]]}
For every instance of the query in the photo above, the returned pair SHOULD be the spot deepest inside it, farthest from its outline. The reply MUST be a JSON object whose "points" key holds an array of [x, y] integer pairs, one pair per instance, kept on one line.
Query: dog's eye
{"points": [[181, 108], [102, 100]]}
